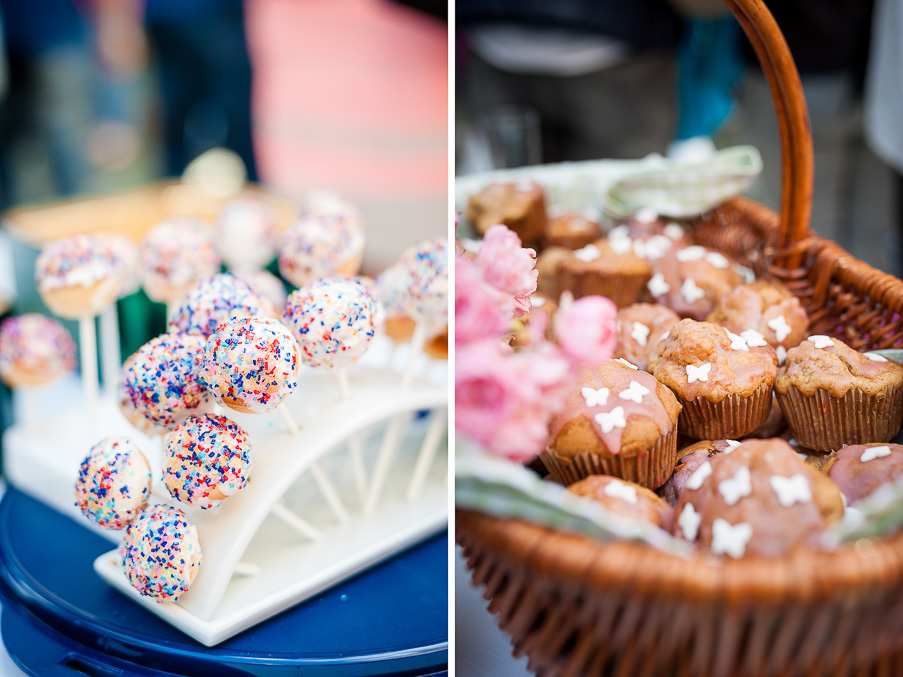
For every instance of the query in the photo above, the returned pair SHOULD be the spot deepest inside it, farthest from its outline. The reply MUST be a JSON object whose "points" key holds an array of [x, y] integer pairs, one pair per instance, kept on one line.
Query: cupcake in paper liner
{"points": [[757, 500], [617, 421], [860, 469], [625, 498], [641, 327], [768, 308], [604, 268], [833, 395], [691, 281], [723, 382]]}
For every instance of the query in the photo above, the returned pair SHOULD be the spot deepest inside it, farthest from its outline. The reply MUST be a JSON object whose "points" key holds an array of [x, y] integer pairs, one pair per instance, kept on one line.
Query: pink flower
{"points": [[504, 399], [586, 329], [481, 310], [508, 266]]}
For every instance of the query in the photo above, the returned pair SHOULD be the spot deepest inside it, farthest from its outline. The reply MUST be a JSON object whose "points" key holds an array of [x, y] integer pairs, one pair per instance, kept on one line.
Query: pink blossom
{"points": [[504, 399], [508, 266], [481, 310], [586, 329]]}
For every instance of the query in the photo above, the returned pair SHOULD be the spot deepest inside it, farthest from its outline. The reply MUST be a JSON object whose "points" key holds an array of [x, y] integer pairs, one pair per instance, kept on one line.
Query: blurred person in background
{"points": [[201, 57], [598, 77]]}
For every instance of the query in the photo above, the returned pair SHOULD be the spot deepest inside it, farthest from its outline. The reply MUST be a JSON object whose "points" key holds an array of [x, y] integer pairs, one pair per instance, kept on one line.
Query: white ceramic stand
{"points": [[299, 526]]}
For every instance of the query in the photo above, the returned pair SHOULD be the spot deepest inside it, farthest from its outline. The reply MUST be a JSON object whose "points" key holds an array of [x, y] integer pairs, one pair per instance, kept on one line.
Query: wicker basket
{"points": [[579, 607]]}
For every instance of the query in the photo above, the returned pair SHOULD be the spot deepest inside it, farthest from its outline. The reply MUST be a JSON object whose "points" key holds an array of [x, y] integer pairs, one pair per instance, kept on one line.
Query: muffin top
{"points": [[860, 469], [625, 498], [827, 363], [547, 269], [614, 409], [701, 359], [767, 307], [640, 329], [688, 461], [646, 224], [760, 499], [602, 257], [507, 203], [571, 230], [692, 280]]}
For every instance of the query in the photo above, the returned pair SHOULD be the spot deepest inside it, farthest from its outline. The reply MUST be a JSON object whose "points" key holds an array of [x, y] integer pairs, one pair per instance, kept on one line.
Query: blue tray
{"points": [[61, 619]]}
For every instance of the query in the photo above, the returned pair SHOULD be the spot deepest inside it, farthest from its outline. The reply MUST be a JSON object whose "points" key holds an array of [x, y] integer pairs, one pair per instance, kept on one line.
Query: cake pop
{"points": [[333, 322], [251, 364], [426, 298], [34, 350], [114, 483], [77, 276], [269, 289], [391, 286], [125, 260], [127, 409], [163, 379], [161, 553], [215, 301], [319, 244], [247, 233], [175, 254], [207, 459]]}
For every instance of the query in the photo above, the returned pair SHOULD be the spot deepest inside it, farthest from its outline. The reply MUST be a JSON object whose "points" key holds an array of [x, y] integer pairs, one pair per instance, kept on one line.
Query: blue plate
{"points": [[60, 618]]}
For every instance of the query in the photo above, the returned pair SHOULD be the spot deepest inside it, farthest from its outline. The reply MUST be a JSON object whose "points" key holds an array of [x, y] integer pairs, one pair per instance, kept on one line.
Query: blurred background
{"points": [[555, 80]]}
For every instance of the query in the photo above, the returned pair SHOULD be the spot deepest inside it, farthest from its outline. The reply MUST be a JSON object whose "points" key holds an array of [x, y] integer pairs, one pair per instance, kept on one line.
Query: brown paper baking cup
{"points": [[826, 423], [623, 290], [730, 419], [650, 468]]}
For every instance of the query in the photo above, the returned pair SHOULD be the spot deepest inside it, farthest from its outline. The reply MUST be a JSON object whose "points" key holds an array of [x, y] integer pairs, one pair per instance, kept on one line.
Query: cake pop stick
{"points": [[287, 419], [290, 519], [357, 465], [427, 452], [341, 376], [110, 354], [329, 493], [246, 569], [390, 441], [87, 344]]}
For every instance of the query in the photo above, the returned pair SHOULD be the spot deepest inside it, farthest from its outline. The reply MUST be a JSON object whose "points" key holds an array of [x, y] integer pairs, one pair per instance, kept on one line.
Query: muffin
{"points": [[860, 469], [520, 206], [760, 500], [688, 461], [646, 223], [768, 308], [691, 281], [625, 498], [571, 231], [547, 270], [774, 425], [599, 270], [640, 329], [833, 395], [724, 384], [617, 421]]}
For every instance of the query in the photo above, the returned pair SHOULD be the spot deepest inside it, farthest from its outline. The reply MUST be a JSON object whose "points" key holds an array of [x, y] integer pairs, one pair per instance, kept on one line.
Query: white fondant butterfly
{"points": [[608, 421], [872, 453], [593, 397], [700, 373], [736, 487], [634, 393], [729, 539], [689, 522], [780, 327], [790, 490], [620, 490]]}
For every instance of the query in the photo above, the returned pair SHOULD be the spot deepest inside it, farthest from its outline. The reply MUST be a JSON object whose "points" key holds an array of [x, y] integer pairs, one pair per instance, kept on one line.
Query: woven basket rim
{"points": [[866, 567]]}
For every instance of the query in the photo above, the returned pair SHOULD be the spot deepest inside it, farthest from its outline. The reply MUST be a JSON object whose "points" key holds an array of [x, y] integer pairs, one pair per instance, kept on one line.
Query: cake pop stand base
{"points": [[60, 620], [309, 478]]}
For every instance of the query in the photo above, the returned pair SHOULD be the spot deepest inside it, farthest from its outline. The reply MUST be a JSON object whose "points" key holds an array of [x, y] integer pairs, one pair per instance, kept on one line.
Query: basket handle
{"points": [[793, 123]]}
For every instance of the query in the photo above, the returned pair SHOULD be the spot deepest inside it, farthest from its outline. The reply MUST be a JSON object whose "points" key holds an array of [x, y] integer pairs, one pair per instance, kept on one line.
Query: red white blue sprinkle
{"points": [[114, 483]]}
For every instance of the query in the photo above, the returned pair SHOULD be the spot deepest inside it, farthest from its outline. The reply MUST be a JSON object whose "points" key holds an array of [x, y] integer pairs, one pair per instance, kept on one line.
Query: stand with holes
{"points": [[363, 478]]}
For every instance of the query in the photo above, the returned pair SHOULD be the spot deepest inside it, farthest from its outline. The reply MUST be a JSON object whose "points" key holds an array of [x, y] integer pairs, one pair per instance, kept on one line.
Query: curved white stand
{"points": [[300, 525]]}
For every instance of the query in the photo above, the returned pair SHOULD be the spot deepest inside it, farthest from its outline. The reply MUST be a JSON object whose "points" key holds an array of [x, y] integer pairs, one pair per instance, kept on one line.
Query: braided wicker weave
{"points": [[577, 607]]}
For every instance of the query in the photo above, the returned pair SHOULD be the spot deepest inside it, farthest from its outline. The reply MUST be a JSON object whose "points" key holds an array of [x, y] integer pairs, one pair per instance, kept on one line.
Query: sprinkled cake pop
{"points": [[391, 287], [125, 260], [251, 364], [76, 276], [160, 553], [368, 284], [127, 409], [247, 233], [269, 289], [426, 300], [319, 244], [213, 302], [333, 322], [163, 379], [114, 483], [207, 459], [34, 350], [175, 255]]}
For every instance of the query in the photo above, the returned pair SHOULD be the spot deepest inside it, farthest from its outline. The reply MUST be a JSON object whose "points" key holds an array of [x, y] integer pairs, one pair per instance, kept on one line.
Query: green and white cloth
{"points": [[488, 484]]}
